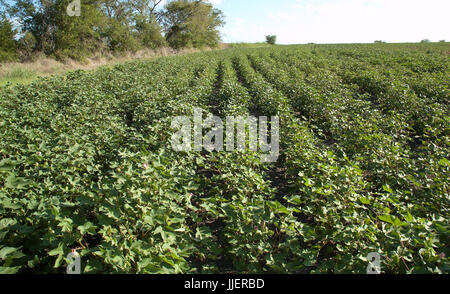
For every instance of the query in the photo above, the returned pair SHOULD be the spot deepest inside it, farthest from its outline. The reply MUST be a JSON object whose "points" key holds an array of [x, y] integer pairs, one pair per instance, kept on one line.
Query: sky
{"points": [[335, 21]]}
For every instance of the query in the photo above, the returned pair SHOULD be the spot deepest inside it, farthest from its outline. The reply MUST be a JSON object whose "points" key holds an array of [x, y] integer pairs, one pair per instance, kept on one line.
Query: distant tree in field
{"points": [[379, 42], [8, 46], [271, 39], [189, 23], [425, 41], [442, 41]]}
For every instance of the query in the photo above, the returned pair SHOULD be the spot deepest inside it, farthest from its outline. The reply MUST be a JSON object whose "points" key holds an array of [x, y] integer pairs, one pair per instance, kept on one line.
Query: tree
{"points": [[131, 24], [149, 33], [117, 33], [27, 45], [190, 23], [144, 17], [57, 33], [8, 46], [145, 8], [113, 25], [271, 39], [78, 37], [425, 41]]}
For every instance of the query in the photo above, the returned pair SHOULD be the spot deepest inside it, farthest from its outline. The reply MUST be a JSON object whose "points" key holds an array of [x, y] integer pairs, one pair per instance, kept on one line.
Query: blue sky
{"points": [[335, 21]]}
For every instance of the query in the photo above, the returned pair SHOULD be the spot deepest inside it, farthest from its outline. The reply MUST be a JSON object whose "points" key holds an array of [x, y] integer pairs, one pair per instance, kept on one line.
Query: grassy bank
{"points": [[26, 72]]}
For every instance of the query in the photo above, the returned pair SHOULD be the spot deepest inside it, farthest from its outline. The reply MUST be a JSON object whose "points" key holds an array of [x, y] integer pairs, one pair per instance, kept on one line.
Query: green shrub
{"points": [[271, 39]]}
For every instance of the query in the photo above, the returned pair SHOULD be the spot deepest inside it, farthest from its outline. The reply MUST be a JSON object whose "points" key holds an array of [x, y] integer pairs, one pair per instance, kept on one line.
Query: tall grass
{"points": [[18, 75]]}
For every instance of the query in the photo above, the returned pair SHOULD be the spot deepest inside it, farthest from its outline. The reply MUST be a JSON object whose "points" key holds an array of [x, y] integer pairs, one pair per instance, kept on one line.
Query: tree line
{"points": [[55, 28]]}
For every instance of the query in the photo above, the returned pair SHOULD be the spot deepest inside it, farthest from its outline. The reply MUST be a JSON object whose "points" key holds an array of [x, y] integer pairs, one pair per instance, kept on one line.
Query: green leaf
{"points": [[444, 162], [399, 223], [88, 227], [364, 200], [7, 222], [386, 218], [5, 251], [2, 235], [93, 266], [8, 270], [58, 261], [408, 217], [57, 251], [8, 204], [66, 225], [7, 165], [387, 189], [16, 183]]}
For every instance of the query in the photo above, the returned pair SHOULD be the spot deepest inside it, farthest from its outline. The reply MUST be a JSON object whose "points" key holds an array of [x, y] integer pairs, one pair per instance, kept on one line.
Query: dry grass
{"points": [[24, 73]]}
